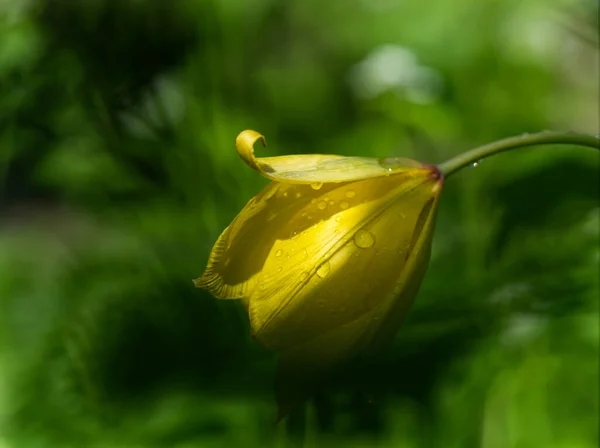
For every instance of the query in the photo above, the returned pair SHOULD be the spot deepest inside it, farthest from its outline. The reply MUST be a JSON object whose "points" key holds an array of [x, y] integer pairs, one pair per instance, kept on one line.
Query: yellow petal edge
{"points": [[317, 168]]}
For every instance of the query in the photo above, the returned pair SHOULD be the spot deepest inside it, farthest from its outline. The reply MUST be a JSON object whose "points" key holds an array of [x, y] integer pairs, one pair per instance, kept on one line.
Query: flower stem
{"points": [[541, 138]]}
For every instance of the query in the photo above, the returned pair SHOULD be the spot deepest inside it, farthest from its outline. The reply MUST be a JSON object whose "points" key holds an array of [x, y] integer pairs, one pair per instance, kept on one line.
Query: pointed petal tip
{"points": [[244, 144]]}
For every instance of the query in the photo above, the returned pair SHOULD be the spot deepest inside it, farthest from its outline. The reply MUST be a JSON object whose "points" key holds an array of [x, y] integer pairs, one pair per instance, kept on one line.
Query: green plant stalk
{"points": [[475, 155]]}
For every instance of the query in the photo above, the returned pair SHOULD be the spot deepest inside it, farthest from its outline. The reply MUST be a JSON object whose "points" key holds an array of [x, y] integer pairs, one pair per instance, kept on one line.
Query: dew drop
{"points": [[350, 194], [338, 218], [323, 270], [303, 275], [344, 205], [279, 269], [322, 205], [331, 202], [279, 253], [404, 246], [475, 164], [388, 163], [298, 195], [364, 239], [285, 195], [316, 185], [313, 201]]}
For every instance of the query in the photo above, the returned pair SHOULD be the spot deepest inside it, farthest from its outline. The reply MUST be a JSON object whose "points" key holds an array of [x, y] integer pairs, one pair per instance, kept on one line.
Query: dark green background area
{"points": [[118, 172]]}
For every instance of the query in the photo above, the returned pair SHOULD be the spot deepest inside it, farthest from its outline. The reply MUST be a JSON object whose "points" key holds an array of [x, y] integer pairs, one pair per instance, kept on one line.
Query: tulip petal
{"points": [[302, 366], [344, 260], [240, 253], [317, 168]]}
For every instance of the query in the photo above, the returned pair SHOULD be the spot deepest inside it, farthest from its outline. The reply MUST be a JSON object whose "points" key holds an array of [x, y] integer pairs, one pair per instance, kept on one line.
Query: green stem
{"points": [[541, 138]]}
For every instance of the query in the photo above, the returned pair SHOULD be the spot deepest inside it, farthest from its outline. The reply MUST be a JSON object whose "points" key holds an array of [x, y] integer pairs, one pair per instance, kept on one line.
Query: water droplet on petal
{"points": [[303, 275], [279, 253], [403, 248], [285, 195], [338, 218], [350, 193], [298, 195], [331, 202], [344, 205], [313, 201], [322, 205], [475, 164], [364, 239], [388, 163], [316, 185], [323, 270], [279, 269]]}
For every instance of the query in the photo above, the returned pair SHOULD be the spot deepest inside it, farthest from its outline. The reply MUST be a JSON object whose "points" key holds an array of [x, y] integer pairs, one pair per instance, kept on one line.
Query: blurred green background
{"points": [[118, 172]]}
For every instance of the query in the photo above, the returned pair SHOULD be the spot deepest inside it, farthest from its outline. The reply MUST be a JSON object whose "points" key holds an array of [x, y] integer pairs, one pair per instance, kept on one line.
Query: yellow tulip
{"points": [[327, 258]]}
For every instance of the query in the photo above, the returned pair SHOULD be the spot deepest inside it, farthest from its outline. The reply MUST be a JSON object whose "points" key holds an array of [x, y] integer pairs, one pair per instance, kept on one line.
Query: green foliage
{"points": [[118, 172]]}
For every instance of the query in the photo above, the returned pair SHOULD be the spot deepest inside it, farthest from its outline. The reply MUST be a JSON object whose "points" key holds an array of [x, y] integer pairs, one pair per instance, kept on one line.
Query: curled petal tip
{"points": [[244, 143]]}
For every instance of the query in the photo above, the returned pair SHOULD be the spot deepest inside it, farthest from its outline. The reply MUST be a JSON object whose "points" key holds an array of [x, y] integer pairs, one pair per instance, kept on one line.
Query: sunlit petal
{"points": [[316, 168], [338, 262]]}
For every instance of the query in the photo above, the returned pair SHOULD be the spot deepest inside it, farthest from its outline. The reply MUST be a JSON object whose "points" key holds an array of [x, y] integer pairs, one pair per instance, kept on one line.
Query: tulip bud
{"points": [[327, 258]]}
